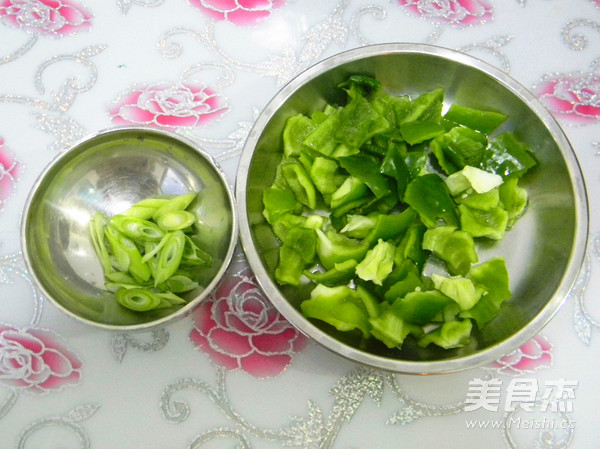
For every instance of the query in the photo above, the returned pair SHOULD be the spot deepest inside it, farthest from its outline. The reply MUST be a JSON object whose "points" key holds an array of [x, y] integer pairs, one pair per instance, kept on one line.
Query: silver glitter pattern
{"points": [[70, 421]]}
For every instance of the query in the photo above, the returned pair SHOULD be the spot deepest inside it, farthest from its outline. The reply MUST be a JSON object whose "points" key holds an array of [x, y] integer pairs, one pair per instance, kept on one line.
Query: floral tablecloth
{"points": [[235, 373]]}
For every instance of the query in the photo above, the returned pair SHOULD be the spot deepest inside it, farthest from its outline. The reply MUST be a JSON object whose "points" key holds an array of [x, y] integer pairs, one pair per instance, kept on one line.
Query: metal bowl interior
{"points": [[108, 173], [543, 251]]}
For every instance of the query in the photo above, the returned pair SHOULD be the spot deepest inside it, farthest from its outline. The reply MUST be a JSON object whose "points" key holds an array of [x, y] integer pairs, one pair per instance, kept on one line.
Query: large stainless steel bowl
{"points": [[544, 250], [108, 172]]}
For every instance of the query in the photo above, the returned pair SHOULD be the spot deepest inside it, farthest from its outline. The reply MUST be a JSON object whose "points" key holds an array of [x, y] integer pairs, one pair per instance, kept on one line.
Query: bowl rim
{"points": [[136, 130], [488, 354]]}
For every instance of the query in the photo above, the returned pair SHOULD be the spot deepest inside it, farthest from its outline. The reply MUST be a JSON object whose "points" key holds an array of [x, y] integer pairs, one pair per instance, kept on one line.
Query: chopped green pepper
{"points": [[453, 246], [340, 274], [452, 334], [334, 248], [300, 183], [337, 306], [377, 263], [483, 121], [507, 156], [429, 196], [493, 277], [278, 202]]}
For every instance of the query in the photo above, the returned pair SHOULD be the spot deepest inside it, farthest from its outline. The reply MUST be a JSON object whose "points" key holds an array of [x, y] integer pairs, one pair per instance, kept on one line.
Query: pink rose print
{"points": [[574, 98], [240, 329], [239, 12], [455, 12], [54, 18], [533, 355], [34, 360], [169, 106], [9, 172]]}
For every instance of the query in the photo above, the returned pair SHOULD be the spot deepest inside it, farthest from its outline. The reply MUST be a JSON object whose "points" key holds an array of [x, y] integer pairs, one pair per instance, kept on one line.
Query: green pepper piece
{"points": [[295, 130], [391, 329], [277, 202], [340, 274], [137, 299], [394, 165], [458, 288], [96, 231], [463, 146], [323, 174], [180, 202], [437, 149], [334, 248], [469, 177], [362, 85], [483, 223], [416, 161], [429, 196], [411, 245], [453, 246], [351, 193], [409, 283], [426, 107], [367, 169], [480, 120], [507, 156], [392, 226], [359, 226], [370, 301], [300, 183], [290, 266], [493, 277], [359, 121], [304, 241], [481, 201], [285, 223], [378, 263], [169, 258], [452, 334], [421, 307], [321, 138], [513, 199], [337, 306], [136, 229], [419, 131]]}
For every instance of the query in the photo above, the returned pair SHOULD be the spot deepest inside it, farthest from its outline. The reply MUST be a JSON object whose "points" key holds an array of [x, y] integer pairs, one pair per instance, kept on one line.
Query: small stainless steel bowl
{"points": [[544, 251], [108, 172]]}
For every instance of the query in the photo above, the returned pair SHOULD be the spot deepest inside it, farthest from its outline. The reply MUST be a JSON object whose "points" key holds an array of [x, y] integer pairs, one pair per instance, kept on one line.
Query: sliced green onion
{"points": [[140, 212], [169, 257], [179, 283], [138, 299], [137, 229], [152, 248], [169, 299], [174, 204], [96, 230], [194, 255], [172, 221], [120, 252]]}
